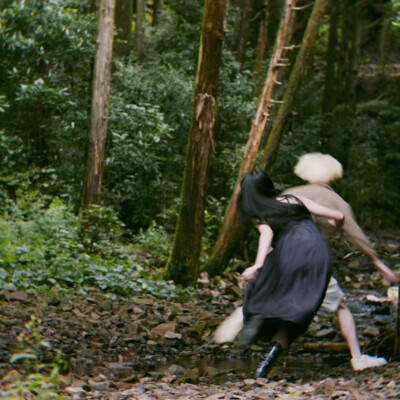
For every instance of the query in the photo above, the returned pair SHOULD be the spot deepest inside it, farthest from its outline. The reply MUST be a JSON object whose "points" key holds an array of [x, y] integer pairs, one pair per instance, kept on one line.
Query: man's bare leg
{"points": [[348, 328]]}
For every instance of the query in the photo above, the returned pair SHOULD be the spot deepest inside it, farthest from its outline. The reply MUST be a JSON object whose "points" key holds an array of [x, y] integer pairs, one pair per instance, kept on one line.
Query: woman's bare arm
{"points": [[264, 246]]}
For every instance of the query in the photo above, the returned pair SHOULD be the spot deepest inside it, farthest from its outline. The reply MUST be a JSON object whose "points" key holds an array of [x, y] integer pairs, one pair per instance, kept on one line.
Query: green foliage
{"points": [[11, 176], [371, 181], [156, 241], [213, 216], [39, 380], [46, 51], [98, 225], [364, 143], [396, 13], [146, 142], [45, 247], [175, 41]]}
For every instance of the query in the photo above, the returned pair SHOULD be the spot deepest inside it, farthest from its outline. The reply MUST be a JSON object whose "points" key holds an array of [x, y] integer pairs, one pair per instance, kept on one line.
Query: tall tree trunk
{"points": [[261, 45], [123, 24], [139, 30], [247, 6], [270, 17], [298, 27], [329, 95], [229, 232], [348, 52], [303, 61], [274, 11], [100, 100], [183, 264], [155, 11]]}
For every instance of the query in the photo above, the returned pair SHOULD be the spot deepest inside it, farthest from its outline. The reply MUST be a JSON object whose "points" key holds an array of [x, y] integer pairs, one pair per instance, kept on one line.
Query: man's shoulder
{"points": [[309, 188]]}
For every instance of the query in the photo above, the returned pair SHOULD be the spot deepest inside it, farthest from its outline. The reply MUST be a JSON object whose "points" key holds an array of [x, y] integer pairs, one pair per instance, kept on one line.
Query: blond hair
{"points": [[318, 167]]}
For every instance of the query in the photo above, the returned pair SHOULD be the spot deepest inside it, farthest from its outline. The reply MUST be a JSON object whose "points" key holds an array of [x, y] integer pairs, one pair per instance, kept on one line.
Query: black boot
{"points": [[250, 331], [266, 365]]}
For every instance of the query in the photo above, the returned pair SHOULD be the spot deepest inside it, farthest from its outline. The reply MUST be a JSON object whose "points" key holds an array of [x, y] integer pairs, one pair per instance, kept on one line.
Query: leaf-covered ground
{"points": [[144, 347]]}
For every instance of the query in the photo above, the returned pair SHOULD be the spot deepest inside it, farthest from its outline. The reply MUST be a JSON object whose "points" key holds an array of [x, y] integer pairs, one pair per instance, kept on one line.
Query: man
{"points": [[319, 170]]}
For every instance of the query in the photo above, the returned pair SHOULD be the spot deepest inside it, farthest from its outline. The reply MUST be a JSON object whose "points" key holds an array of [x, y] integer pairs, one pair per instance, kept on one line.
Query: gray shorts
{"points": [[333, 297]]}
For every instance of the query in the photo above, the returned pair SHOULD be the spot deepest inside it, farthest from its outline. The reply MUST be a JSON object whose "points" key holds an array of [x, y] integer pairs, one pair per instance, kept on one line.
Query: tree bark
{"points": [[123, 24], [99, 111], [396, 352], [303, 61], [329, 95], [183, 264], [139, 30], [274, 11], [247, 6], [348, 52], [230, 232], [261, 45], [155, 11], [298, 27]]}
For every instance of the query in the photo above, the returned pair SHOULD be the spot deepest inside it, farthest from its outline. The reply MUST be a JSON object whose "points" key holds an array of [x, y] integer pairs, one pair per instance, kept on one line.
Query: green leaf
{"points": [[23, 356]]}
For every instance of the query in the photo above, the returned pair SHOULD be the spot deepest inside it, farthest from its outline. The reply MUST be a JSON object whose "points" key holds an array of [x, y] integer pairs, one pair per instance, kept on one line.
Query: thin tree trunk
{"points": [[139, 30], [155, 11], [244, 29], [303, 61], [274, 11], [348, 52], [229, 232], [100, 100], [183, 264], [298, 27], [123, 24], [329, 95], [261, 45], [396, 353]]}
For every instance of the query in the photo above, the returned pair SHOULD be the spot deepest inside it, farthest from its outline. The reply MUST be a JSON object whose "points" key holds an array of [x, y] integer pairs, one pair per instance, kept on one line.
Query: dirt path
{"points": [[147, 348], [143, 347]]}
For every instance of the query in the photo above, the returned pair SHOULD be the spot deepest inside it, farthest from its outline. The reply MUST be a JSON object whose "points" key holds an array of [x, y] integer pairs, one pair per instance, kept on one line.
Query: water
{"points": [[298, 367]]}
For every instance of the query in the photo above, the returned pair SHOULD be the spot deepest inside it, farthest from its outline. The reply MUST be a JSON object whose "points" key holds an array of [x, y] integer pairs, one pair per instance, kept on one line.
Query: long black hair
{"points": [[257, 202]]}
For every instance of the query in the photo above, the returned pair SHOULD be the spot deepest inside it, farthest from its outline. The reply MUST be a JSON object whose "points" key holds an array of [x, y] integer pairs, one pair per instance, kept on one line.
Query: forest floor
{"points": [[145, 348]]}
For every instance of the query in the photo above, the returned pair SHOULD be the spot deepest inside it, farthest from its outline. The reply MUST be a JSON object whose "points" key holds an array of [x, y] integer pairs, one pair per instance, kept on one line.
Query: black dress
{"points": [[291, 286]]}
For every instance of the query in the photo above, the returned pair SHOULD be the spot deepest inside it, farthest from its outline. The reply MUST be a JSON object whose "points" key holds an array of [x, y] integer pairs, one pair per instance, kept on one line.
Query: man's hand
{"points": [[385, 271]]}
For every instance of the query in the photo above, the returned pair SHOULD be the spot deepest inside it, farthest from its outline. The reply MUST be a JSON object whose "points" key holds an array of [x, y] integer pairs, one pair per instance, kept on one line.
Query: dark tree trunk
{"points": [[396, 352], [270, 16], [230, 232], [183, 264], [303, 61], [99, 111], [348, 52], [247, 7], [274, 12], [261, 45], [298, 27], [139, 30], [329, 95], [155, 11], [123, 24]]}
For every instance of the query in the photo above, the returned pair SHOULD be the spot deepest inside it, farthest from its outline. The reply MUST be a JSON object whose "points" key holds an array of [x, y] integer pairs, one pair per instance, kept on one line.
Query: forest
{"points": [[126, 127]]}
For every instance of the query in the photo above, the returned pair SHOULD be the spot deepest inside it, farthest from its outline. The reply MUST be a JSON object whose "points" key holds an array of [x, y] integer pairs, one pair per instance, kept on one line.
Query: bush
{"points": [[50, 247]]}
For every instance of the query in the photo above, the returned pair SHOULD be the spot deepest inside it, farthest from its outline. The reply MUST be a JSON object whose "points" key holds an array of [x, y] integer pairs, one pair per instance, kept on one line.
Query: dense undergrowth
{"points": [[49, 247]]}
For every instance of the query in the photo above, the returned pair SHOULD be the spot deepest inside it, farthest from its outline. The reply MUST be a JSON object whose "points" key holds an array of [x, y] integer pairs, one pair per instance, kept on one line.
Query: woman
{"points": [[287, 287]]}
